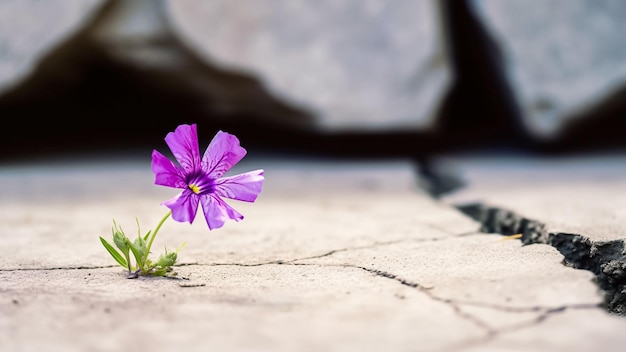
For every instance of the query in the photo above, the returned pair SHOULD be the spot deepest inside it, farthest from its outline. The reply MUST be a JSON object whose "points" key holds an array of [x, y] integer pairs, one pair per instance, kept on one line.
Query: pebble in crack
{"points": [[605, 259]]}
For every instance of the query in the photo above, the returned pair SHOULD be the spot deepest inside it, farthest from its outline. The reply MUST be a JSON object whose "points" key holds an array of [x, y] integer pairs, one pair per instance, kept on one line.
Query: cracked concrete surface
{"points": [[334, 256], [575, 204]]}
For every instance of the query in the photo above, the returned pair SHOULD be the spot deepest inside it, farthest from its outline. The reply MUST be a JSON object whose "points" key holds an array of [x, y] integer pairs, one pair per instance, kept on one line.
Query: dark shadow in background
{"points": [[87, 95]]}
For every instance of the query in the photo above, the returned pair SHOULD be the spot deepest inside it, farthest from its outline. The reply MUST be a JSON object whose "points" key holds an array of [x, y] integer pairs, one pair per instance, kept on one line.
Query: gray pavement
{"points": [[574, 203], [579, 194], [333, 256]]}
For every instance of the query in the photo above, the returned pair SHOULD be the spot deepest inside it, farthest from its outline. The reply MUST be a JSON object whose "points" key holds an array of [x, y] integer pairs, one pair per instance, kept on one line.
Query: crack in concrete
{"points": [[530, 309], [79, 267], [334, 251], [605, 259], [490, 332], [457, 306], [373, 245], [279, 261], [543, 316], [391, 276], [387, 275]]}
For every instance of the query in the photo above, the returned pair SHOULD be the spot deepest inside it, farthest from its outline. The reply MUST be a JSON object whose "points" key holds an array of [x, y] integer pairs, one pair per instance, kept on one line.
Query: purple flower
{"points": [[201, 179]]}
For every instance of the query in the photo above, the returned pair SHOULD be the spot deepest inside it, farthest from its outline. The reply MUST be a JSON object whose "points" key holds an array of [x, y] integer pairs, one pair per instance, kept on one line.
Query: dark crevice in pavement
{"points": [[80, 267], [605, 259], [273, 262], [388, 275]]}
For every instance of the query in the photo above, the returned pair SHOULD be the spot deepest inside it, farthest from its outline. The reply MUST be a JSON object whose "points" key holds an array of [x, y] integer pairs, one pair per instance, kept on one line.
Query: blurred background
{"points": [[339, 78]]}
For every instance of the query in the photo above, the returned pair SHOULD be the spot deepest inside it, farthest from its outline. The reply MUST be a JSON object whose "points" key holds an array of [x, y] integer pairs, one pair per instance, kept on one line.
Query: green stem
{"points": [[154, 233], [127, 255]]}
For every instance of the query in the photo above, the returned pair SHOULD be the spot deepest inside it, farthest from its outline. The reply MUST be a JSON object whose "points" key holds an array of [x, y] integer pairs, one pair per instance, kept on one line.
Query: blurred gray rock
{"points": [[354, 64], [28, 28], [357, 64], [565, 56], [127, 67]]}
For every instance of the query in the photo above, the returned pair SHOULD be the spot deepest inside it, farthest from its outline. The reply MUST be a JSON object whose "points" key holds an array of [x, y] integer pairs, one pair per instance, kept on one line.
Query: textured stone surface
{"points": [[29, 28], [333, 256], [558, 327], [563, 56], [263, 308], [302, 198], [573, 194], [575, 204], [353, 64], [356, 64]]}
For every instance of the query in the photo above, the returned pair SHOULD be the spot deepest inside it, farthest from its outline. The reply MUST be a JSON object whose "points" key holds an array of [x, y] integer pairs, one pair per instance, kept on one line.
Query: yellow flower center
{"points": [[195, 189]]}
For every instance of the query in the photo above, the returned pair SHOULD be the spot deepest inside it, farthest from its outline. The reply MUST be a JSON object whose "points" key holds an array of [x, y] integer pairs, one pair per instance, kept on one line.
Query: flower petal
{"points": [[216, 211], [165, 172], [184, 206], [222, 154], [183, 143], [245, 187]]}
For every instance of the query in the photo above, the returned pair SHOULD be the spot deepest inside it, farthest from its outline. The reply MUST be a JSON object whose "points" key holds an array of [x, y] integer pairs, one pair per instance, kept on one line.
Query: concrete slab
{"points": [[262, 308], [558, 332], [334, 256], [49, 212], [479, 270], [575, 203], [571, 194]]}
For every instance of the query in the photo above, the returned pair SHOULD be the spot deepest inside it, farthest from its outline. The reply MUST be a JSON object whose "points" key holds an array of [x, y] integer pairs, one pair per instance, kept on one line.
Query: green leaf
{"points": [[138, 227], [138, 251], [159, 272], [114, 253], [120, 241], [167, 259], [145, 238], [140, 244]]}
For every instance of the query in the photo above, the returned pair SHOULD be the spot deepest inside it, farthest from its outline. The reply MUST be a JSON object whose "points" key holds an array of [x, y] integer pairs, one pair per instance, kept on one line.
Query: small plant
{"points": [[202, 182]]}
